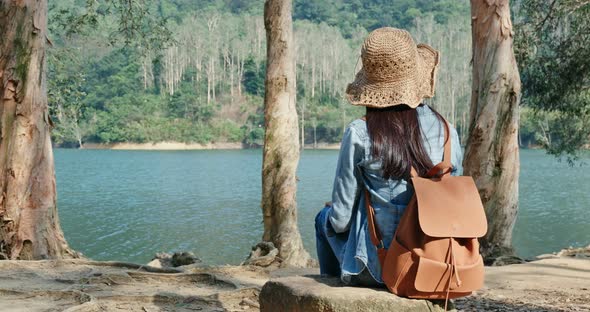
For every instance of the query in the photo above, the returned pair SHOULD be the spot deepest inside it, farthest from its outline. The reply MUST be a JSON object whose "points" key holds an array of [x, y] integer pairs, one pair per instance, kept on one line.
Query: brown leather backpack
{"points": [[434, 253]]}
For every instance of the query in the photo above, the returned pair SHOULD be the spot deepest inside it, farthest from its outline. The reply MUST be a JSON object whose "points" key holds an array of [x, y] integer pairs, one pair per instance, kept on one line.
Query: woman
{"points": [[378, 151]]}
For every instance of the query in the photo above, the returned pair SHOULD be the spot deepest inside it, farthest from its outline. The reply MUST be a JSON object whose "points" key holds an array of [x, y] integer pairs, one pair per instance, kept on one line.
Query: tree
{"points": [[553, 49], [491, 155], [29, 225], [453, 42], [281, 142], [65, 96]]}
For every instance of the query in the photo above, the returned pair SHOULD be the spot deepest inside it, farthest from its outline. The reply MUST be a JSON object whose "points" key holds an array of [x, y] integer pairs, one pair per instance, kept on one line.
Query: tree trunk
{"points": [[315, 136], [29, 225], [281, 144], [463, 128], [209, 75], [313, 79], [240, 74], [491, 156], [453, 119], [302, 125]]}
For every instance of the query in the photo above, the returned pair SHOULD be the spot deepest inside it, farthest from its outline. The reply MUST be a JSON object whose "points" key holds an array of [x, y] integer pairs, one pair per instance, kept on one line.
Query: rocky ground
{"points": [[551, 285], [558, 282], [78, 285]]}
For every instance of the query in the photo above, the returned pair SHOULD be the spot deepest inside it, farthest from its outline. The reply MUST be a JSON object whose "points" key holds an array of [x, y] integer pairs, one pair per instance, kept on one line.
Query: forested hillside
{"points": [[207, 83]]}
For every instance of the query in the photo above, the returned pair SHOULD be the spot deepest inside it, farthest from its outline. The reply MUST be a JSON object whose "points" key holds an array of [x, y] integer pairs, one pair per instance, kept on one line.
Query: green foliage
{"points": [[347, 14], [227, 131], [112, 76], [255, 136], [139, 118], [134, 22], [254, 76], [66, 93], [206, 82], [553, 48], [185, 103]]}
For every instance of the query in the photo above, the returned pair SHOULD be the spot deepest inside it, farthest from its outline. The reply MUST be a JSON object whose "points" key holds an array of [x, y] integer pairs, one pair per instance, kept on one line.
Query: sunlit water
{"points": [[129, 205]]}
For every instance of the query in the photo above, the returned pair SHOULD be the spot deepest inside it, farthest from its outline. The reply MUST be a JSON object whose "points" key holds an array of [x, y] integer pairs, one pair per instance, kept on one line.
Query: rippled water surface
{"points": [[128, 205]]}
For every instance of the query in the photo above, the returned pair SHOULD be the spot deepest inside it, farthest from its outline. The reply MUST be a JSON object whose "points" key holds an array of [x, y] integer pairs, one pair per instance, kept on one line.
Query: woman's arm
{"points": [[346, 182]]}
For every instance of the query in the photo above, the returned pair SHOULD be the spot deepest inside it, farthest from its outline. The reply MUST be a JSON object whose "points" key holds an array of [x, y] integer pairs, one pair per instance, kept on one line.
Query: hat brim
{"points": [[409, 91]]}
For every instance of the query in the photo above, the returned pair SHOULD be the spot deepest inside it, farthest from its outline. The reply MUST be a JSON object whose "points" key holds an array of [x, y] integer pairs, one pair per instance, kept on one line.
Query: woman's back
{"points": [[389, 196], [377, 155]]}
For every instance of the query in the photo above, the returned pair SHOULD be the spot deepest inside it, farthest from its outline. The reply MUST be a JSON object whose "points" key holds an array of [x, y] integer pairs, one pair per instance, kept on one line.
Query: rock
{"points": [[317, 294], [184, 258], [507, 260], [571, 252], [156, 263], [249, 302], [161, 260], [163, 255], [263, 254], [547, 256], [582, 253], [166, 260], [492, 253]]}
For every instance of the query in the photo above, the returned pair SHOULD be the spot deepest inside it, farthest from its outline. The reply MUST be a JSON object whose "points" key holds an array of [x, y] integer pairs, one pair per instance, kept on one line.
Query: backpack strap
{"points": [[374, 233]]}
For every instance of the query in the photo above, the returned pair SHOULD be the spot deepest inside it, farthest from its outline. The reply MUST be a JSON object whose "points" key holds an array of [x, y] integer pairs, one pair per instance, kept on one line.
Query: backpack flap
{"points": [[450, 207]]}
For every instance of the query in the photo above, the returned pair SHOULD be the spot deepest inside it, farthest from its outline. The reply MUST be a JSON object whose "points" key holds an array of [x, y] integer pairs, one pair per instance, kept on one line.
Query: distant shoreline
{"points": [[179, 146], [163, 146]]}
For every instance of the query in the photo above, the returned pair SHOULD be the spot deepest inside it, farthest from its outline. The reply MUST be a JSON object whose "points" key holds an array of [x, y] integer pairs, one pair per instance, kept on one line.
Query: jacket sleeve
{"points": [[346, 182]]}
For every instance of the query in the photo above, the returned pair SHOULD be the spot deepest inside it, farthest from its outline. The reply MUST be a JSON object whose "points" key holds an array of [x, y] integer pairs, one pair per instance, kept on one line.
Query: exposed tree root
{"points": [[126, 265], [82, 285], [263, 254]]}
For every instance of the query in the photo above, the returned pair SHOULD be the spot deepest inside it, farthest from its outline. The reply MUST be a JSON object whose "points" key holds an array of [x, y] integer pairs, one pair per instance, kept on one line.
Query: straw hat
{"points": [[395, 71]]}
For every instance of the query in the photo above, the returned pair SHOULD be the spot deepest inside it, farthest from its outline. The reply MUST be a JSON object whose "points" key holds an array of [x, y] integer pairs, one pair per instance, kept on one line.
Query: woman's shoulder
{"points": [[358, 127], [424, 110]]}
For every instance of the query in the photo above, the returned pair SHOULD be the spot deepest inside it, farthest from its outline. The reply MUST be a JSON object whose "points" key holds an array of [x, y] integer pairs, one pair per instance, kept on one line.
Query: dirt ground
{"points": [[551, 285], [555, 284]]}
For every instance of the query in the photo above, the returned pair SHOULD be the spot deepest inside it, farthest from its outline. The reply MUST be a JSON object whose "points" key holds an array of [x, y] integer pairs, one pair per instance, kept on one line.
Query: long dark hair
{"points": [[397, 140]]}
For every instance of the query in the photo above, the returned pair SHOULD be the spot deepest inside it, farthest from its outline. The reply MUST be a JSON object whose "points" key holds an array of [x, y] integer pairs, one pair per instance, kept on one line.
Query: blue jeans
{"points": [[329, 244], [329, 263]]}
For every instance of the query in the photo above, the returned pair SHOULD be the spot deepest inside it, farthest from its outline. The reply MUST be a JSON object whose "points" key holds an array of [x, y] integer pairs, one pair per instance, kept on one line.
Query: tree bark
{"points": [[491, 155], [29, 224], [281, 144]]}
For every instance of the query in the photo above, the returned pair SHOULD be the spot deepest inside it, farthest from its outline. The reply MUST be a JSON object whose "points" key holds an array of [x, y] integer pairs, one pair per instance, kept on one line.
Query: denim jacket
{"points": [[357, 169]]}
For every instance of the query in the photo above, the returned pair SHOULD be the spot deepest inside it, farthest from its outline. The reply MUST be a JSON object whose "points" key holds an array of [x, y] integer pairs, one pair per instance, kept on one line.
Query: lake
{"points": [[129, 205]]}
